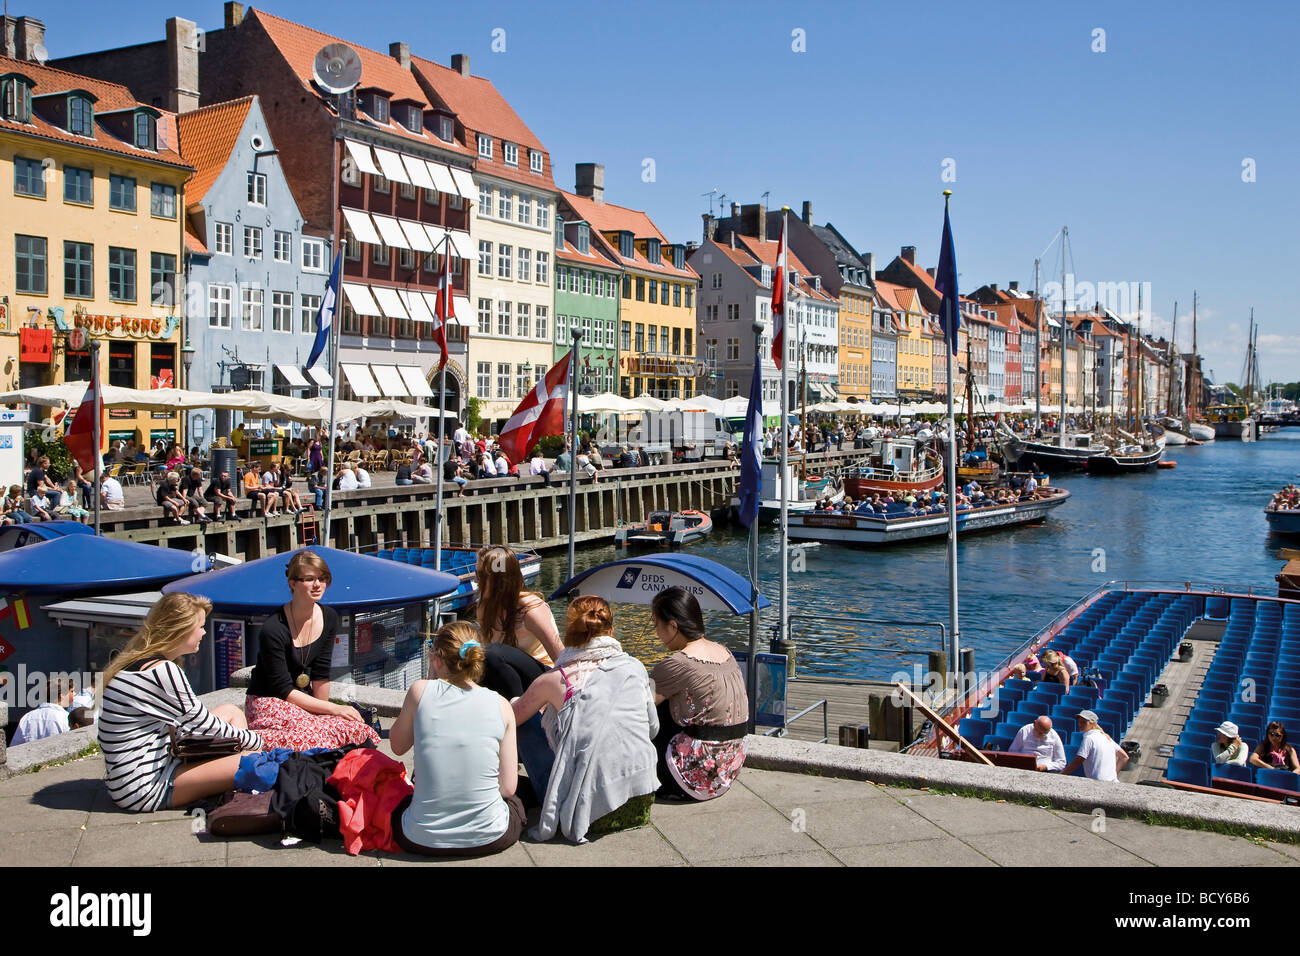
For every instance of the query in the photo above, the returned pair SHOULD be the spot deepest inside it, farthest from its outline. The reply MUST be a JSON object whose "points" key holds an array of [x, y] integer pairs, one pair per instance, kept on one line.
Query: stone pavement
{"points": [[62, 816]]}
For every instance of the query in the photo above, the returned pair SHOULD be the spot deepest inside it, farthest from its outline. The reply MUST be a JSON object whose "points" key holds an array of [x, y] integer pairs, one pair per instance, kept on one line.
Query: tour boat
{"points": [[896, 466], [665, 527], [1232, 422], [873, 529], [808, 493]]}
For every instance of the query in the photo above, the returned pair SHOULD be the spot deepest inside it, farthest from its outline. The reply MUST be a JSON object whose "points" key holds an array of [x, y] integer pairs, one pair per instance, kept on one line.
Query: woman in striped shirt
{"points": [[146, 697]]}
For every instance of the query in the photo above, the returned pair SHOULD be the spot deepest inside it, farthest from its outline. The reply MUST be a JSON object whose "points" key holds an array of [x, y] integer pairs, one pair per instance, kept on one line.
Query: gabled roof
{"points": [[888, 293], [600, 254], [842, 250], [109, 98], [299, 45], [764, 251], [207, 138], [607, 217]]}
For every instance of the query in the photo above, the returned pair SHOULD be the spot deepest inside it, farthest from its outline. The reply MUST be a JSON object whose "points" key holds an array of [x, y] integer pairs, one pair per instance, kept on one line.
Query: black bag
{"points": [[315, 816]]}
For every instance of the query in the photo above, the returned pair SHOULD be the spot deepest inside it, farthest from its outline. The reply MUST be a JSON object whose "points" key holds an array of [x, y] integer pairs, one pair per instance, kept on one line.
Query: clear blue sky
{"points": [[1138, 149]]}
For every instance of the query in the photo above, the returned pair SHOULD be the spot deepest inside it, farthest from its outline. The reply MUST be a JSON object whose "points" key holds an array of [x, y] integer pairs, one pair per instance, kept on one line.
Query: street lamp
{"points": [[527, 370], [187, 361]]}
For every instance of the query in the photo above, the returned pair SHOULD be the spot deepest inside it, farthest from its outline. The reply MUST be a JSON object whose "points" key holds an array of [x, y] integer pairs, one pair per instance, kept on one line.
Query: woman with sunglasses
{"points": [[288, 699], [466, 762], [1273, 752]]}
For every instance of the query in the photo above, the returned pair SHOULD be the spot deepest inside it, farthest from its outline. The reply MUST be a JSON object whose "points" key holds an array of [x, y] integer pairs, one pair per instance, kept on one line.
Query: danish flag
{"points": [[80, 436], [778, 301], [444, 307], [541, 413]]}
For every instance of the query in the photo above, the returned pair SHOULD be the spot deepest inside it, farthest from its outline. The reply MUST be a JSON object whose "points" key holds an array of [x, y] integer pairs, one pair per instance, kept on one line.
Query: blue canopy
{"points": [[74, 563], [361, 583], [638, 580], [17, 535]]}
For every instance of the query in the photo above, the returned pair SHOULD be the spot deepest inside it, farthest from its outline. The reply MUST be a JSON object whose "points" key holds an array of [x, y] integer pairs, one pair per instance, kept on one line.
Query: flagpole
{"points": [[334, 404], [95, 425], [576, 335], [950, 337], [442, 400], [751, 674], [783, 621]]}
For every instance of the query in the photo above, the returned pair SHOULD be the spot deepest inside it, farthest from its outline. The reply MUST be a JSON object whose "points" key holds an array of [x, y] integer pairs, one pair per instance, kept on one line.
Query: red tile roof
{"points": [[299, 45], [765, 252], [192, 242], [109, 97], [207, 137], [607, 217], [888, 293], [481, 108]]}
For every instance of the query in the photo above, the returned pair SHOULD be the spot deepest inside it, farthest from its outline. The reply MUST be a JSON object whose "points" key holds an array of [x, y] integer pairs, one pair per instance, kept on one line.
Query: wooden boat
{"points": [[461, 561], [1024, 454], [876, 530], [670, 528], [895, 466], [1125, 459]]}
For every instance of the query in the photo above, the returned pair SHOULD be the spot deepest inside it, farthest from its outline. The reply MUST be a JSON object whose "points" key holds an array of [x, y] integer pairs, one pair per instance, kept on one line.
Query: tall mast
{"points": [[1141, 360], [1194, 398], [1065, 238], [1038, 351], [1173, 352]]}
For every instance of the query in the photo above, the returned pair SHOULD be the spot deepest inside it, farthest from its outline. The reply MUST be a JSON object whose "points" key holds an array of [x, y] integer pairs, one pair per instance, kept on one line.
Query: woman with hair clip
{"points": [[595, 768], [288, 700], [703, 707], [507, 614], [466, 766], [147, 699]]}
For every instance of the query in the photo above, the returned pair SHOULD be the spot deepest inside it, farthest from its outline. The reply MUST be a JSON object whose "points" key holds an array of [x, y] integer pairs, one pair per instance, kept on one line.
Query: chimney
{"points": [[762, 222], [931, 272], [710, 226], [8, 25], [1013, 286], [735, 210], [460, 63], [29, 35], [993, 286], [732, 236], [589, 181], [909, 254], [870, 259], [182, 66], [234, 14], [807, 213], [401, 52]]}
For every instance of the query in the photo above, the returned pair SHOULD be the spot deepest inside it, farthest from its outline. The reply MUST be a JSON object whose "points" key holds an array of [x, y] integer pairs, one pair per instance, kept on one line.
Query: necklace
{"points": [[302, 680]]}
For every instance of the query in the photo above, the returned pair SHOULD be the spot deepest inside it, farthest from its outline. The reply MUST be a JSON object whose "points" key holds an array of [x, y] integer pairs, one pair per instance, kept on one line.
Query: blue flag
{"points": [[751, 465], [325, 315], [945, 281]]}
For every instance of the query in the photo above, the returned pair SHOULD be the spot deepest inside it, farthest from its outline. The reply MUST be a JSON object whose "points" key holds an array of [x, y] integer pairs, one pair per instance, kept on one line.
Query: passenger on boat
{"points": [[703, 707], [1274, 752], [288, 700], [1227, 746], [1018, 674], [1099, 756], [1038, 738], [593, 766], [1055, 670]]}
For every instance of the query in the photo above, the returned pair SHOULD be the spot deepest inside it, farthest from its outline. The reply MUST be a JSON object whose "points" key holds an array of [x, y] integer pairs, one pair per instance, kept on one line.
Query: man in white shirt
{"points": [[460, 435], [1100, 757], [363, 477], [1043, 742], [49, 718], [347, 480], [502, 464], [110, 492]]}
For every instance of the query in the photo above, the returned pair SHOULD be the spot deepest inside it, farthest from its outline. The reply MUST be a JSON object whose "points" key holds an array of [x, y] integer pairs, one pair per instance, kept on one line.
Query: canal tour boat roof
{"points": [[75, 563], [18, 535], [1128, 635], [638, 580]]}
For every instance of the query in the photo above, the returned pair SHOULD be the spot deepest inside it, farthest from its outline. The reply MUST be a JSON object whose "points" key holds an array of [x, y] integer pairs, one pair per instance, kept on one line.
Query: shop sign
{"points": [[36, 345]]}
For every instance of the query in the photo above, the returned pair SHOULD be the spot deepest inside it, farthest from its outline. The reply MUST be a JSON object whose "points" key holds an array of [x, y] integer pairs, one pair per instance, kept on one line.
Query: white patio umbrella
{"points": [[606, 402], [648, 403]]}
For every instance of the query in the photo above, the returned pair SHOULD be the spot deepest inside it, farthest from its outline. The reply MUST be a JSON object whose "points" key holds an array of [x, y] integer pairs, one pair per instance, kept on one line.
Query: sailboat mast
{"points": [[1194, 399], [1141, 363], [1038, 351], [1065, 238], [1173, 352]]}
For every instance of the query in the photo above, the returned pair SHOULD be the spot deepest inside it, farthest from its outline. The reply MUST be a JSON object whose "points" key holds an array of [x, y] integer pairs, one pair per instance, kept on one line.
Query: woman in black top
{"points": [[288, 700]]}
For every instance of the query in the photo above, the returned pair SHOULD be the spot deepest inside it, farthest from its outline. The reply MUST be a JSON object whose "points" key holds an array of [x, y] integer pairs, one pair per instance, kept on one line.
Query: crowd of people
{"points": [[598, 735], [932, 502], [1288, 499]]}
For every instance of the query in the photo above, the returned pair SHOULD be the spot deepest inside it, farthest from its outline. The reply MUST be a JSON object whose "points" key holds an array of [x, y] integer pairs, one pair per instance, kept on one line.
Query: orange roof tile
{"points": [[207, 137], [765, 252], [109, 97], [192, 242], [299, 45], [607, 217]]}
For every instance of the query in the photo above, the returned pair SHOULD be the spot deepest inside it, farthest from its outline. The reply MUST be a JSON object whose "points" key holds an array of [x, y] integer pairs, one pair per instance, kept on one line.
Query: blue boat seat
{"points": [[1188, 771], [1281, 779], [1231, 771]]}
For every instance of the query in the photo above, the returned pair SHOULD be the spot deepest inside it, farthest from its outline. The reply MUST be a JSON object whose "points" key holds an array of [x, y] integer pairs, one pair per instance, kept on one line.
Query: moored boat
{"points": [[461, 561], [671, 528], [1049, 457], [1201, 431], [1283, 512], [896, 466], [1232, 422]]}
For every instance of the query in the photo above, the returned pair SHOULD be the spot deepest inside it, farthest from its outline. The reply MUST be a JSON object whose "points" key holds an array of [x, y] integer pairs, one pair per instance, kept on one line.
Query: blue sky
{"points": [[1139, 148]]}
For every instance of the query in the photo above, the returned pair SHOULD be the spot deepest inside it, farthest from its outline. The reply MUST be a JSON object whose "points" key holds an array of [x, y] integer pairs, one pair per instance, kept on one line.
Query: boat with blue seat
{"points": [[461, 561]]}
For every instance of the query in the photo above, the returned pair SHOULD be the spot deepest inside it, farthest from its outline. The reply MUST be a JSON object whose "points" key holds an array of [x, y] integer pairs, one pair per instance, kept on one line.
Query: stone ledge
{"points": [[1062, 793], [387, 702]]}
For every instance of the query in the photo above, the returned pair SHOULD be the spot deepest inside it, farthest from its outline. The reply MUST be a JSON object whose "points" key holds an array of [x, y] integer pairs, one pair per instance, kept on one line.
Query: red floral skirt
{"points": [[282, 724]]}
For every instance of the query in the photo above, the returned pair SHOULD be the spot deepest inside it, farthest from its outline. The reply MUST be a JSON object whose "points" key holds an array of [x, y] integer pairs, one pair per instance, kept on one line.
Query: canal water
{"points": [[1202, 522]]}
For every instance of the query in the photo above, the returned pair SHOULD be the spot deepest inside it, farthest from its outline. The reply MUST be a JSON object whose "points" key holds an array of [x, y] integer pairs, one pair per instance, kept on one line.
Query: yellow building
{"points": [[856, 307], [915, 348], [656, 308], [91, 189]]}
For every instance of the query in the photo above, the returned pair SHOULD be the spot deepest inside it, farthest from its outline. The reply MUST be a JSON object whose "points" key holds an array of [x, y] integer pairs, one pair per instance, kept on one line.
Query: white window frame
{"points": [[484, 316], [543, 267], [505, 204], [524, 319], [252, 242], [541, 315], [252, 304], [283, 246], [485, 146], [510, 154], [505, 255], [543, 213], [313, 255], [524, 264], [281, 311], [505, 318], [535, 160], [256, 188], [221, 297], [485, 200], [524, 212], [485, 258], [227, 248], [483, 381], [308, 306]]}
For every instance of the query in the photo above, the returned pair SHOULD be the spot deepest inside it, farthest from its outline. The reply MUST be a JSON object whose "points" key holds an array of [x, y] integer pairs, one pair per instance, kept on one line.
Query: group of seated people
{"points": [[598, 735], [1271, 753], [1099, 756], [932, 502], [1288, 499], [66, 707]]}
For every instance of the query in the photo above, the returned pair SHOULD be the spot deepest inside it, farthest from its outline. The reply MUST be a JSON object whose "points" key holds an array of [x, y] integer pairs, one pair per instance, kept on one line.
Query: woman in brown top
{"points": [[703, 709]]}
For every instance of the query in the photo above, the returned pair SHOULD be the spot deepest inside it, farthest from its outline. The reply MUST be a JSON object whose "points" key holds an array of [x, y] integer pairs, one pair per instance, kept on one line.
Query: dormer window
{"points": [[510, 152], [584, 238], [652, 251], [444, 128], [766, 275], [625, 244], [484, 146], [16, 98], [414, 119], [378, 108], [81, 115], [535, 160], [146, 131]]}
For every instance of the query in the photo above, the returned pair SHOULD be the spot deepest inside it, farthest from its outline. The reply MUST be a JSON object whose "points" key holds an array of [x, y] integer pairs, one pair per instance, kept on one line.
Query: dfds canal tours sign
{"points": [[638, 580]]}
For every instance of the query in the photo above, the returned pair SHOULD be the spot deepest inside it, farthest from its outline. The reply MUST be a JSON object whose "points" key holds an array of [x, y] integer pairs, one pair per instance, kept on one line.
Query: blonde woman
{"points": [[147, 698], [466, 762], [508, 614]]}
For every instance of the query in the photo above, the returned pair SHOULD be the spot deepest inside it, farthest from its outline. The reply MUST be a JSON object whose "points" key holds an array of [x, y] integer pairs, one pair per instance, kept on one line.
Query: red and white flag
{"points": [[444, 307], [541, 413], [778, 301], [80, 436]]}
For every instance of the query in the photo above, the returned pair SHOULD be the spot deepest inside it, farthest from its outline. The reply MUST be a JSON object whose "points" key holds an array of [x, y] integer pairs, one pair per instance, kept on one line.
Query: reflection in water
{"points": [[1202, 521]]}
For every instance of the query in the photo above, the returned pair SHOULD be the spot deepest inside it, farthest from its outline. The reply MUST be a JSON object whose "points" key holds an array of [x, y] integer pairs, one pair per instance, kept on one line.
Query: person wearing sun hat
{"points": [[1099, 756], [1228, 747]]}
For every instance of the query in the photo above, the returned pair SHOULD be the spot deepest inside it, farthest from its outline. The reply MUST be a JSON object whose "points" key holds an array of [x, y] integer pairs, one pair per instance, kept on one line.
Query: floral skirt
{"points": [[705, 769], [282, 724]]}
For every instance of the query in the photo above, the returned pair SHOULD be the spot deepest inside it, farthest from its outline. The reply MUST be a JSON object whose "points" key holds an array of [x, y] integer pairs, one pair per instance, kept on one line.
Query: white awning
{"points": [[460, 241], [392, 232], [442, 180], [464, 183], [390, 381], [464, 311], [293, 376], [415, 381], [415, 306], [360, 154], [416, 235], [418, 172], [359, 380], [321, 376], [392, 166], [389, 301], [361, 300], [361, 226]]}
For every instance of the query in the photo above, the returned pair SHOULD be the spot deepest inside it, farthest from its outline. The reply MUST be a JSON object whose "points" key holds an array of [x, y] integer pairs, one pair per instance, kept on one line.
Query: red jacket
{"points": [[370, 786]]}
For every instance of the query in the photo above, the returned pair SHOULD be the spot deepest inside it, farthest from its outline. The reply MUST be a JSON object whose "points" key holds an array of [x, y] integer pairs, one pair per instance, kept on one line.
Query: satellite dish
{"points": [[40, 54], [336, 68]]}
